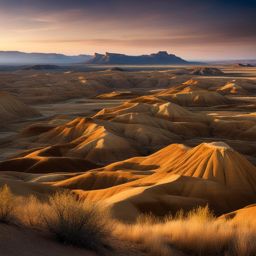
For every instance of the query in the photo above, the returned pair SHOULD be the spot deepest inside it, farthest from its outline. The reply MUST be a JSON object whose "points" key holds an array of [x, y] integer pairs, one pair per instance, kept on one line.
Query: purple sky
{"points": [[192, 29]]}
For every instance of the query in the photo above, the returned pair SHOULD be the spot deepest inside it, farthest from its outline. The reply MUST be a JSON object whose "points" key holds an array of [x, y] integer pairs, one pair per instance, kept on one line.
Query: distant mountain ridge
{"points": [[16, 57], [160, 58]]}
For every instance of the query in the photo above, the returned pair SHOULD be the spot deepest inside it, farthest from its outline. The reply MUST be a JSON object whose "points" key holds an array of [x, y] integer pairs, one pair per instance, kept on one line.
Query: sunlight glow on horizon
{"points": [[84, 30]]}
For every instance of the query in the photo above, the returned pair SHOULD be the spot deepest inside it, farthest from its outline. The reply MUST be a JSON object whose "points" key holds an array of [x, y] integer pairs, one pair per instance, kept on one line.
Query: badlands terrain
{"points": [[145, 144]]}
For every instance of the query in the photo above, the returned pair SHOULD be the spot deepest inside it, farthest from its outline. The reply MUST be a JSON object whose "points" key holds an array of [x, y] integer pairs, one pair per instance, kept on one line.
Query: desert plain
{"points": [[165, 154]]}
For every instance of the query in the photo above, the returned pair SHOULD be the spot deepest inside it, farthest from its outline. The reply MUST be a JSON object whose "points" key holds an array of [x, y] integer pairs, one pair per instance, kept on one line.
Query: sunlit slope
{"points": [[193, 96], [114, 134], [166, 110], [124, 171], [245, 214], [211, 173]]}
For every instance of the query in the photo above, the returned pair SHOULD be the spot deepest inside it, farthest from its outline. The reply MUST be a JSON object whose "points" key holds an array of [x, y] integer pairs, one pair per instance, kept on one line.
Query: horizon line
{"points": [[92, 54]]}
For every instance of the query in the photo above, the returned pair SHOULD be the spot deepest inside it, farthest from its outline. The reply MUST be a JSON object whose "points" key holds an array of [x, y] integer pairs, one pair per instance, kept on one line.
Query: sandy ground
{"points": [[76, 107], [15, 241]]}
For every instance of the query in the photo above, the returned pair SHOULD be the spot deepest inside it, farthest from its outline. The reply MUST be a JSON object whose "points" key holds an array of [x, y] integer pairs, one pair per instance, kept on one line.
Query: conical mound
{"points": [[214, 161], [157, 161], [174, 178], [217, 162]]}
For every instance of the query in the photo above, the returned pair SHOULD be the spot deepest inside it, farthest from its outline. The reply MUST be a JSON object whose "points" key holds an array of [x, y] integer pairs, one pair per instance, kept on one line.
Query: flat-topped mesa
{"points": [[160, 58], [163, 54], [160, 53]]}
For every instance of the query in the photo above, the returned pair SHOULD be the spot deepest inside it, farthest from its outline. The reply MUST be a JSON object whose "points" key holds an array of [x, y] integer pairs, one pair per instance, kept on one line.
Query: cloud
{"points": [[132, 24]]}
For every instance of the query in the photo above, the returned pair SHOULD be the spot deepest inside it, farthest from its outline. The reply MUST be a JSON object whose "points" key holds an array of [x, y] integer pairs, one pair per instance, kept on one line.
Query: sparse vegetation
{"points": [[75, 222], [7, 205], [195, 233], [69, 220]]}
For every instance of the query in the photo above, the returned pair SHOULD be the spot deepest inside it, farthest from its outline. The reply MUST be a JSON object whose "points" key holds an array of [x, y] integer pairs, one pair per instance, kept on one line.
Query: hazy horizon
{"points": [[104, 52]]}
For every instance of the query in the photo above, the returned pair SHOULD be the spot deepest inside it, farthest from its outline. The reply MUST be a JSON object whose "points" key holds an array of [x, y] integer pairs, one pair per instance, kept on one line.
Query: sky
{"points": [[192, 29]]}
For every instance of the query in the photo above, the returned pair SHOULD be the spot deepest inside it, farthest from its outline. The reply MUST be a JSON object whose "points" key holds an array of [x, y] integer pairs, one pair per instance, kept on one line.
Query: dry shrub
{"points": [[200, 214], [73, 222], [149, 218], [7, 205], [30, 212]]}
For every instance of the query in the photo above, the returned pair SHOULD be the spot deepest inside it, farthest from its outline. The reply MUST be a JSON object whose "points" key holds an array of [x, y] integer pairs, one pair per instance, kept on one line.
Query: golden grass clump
{"points": [[7, 205], [31, 211], [195, 233]]}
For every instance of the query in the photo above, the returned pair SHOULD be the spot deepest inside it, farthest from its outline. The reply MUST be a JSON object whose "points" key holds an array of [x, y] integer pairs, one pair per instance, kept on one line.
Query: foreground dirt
{"points": [[15, 241]]}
